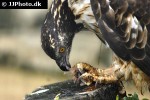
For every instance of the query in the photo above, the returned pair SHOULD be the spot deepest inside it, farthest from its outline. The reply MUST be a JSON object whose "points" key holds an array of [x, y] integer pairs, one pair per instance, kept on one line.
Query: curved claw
{"points": [[84, 67], [85, 74], [86, 78]]}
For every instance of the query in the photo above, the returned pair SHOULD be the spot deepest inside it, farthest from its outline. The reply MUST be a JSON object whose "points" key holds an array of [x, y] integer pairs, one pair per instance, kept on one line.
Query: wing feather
{"points": [[125, 25]]}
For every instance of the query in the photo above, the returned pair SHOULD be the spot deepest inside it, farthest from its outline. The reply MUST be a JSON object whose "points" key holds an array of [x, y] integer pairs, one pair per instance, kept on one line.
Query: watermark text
{"points": [[24, 4]]}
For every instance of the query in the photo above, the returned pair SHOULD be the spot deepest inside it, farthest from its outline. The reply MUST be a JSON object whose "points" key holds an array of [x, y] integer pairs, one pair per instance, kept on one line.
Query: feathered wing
{"points": [[125, 25]]}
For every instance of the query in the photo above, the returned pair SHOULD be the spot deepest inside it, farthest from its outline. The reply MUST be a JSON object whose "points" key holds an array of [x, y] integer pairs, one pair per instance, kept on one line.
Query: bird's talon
{"points": [[96, 83], [86, 78]]}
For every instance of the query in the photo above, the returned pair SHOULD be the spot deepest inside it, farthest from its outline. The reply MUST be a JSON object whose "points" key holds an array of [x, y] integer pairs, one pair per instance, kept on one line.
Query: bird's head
{"points": [[58, 31]]}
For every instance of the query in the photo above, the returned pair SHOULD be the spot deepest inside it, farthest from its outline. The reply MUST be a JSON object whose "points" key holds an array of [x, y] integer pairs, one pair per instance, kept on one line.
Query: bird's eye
{"points": [[61, 50]]}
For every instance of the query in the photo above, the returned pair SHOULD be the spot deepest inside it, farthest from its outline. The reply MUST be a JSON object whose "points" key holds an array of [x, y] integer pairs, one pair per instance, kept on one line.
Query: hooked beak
{"points": [[63, 63]]}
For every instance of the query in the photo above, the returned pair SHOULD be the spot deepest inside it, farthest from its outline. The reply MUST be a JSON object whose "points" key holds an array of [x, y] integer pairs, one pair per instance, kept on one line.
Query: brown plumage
{"points": [[119, 70], [123, 25]]}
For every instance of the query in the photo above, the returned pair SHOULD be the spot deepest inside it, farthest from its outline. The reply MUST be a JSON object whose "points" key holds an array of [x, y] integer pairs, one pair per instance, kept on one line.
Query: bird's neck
{"points": [[81, 9], [83, 14]]}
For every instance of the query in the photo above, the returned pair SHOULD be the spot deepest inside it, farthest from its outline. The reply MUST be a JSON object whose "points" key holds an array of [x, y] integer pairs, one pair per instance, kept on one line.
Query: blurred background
{"points": [[23, 64]]}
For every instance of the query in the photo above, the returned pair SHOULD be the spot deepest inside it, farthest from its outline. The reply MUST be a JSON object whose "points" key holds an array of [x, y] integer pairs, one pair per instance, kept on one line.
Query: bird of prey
{"points": [[122, 25]]}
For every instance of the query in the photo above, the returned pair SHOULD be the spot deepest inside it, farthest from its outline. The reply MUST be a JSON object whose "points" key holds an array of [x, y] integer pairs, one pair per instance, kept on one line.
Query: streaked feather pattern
{"points": [[130, 29], [122, 24], [125, 26]]}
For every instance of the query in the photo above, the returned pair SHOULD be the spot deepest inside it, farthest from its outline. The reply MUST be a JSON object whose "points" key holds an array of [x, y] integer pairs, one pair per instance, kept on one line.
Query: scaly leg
{"points": [[120, 70], [87, 74]]}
